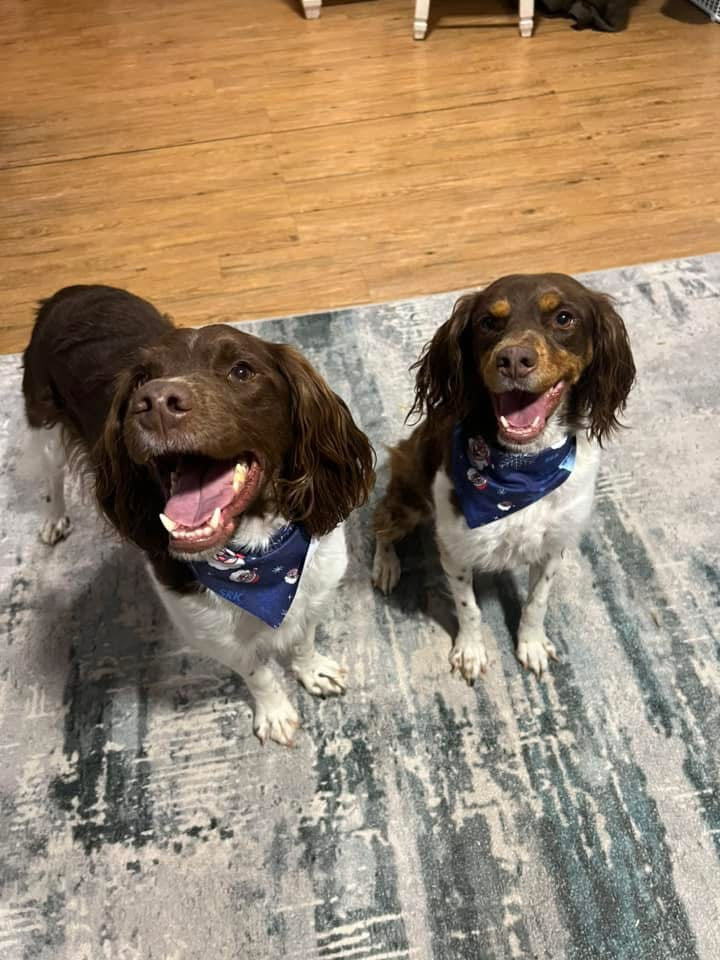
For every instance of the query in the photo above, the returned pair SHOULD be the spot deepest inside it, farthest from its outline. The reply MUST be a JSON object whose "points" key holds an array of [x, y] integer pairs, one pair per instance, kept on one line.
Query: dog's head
{"points": [[211, 425], [527, 350]]}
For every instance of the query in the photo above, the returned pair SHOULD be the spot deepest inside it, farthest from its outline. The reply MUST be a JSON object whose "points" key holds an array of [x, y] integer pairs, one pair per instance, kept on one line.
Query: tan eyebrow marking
{"points": [[500, 309], [549, 301]]}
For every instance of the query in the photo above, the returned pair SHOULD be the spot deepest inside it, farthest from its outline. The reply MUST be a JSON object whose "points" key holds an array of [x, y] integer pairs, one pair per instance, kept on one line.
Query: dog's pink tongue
{"points": [[200, 487], [520, 408]]}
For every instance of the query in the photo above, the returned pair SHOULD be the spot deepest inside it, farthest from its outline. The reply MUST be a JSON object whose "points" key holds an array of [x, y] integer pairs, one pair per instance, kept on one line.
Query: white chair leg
{"points": [[527, 12], [312, 9], [422, 10]]}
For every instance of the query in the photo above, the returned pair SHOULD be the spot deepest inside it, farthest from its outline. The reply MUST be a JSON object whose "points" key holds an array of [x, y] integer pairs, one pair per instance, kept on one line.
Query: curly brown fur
{"points": [[329, 469], [602, 391]]}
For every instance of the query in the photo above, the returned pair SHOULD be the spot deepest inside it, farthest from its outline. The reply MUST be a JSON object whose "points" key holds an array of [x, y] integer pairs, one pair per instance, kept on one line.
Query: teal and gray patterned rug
{"points": [[577, 819]]}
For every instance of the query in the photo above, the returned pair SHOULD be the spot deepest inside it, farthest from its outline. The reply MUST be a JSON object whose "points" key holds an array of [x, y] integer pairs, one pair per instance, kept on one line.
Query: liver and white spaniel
{"points": [[517, 389], [226, 459]]}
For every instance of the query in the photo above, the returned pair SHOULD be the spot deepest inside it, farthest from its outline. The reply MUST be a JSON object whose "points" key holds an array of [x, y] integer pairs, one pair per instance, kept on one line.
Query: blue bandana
{"points": [[491, 483], [264, 584]]}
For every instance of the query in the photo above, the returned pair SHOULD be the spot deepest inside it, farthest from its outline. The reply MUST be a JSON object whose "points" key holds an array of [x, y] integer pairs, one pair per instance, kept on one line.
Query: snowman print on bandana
{"points": [[479, 457], [477, 479], [478, 452], [245, 576], [227, 559]]}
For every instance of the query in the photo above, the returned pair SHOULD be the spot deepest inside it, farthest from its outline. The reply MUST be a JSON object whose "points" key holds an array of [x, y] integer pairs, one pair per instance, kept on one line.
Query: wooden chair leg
{"points": [[422, 10], [312, 8], [527, 13]]}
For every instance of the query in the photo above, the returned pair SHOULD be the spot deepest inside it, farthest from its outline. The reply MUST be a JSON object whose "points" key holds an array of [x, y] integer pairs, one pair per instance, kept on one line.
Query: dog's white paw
{"points": [[469, 657], [321, 677], [386, 567], [55, 529], [276, 720], [534, 651]]}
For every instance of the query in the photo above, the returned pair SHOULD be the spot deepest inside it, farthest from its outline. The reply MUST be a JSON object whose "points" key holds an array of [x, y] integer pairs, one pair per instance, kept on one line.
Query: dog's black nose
{"points": [[160, 405], [517, 362]]}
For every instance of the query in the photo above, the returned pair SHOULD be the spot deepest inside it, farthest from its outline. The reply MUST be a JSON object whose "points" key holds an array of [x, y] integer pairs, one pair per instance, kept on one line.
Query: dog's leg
{"points": [[50, 451], [398, 513], [533, 647], [393, 520], [206, 624], [406, 504], [386, 566], [275, 717], [468, 654], [320, 675]]}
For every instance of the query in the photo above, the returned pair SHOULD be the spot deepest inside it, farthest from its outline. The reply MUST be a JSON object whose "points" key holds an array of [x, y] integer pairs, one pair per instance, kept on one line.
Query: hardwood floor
{"points": [[228, 159]]}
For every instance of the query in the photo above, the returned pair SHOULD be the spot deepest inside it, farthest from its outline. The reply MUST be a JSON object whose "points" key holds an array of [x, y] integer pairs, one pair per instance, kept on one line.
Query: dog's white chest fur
{"points": [[544, 528]]}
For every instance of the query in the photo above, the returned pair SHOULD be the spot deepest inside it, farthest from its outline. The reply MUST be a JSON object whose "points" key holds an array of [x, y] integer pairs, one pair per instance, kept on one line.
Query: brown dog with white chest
{"points": [[517, 390], [227, 459]]}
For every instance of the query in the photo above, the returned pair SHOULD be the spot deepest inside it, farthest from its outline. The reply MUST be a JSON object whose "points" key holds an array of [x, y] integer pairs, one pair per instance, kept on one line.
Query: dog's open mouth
{"points": [[521, 415], [205, 498]]}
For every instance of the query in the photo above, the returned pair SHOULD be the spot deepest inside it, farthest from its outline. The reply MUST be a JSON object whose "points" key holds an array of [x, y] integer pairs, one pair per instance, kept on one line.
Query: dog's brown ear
{"points": [[603, 388], [329, 469], [442, 374], [124, 490]]}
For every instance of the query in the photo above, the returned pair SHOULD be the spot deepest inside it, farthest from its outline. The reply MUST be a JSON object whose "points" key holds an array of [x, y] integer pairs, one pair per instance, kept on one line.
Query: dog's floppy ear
{"points": [[329, 468], [603, 388], [441, 378], [124, 490]]}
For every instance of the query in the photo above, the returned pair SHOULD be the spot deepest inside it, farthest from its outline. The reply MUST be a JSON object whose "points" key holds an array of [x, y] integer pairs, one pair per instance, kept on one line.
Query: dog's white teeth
{"points": [[215, 519], [503, 421], [169, 524], [536, 422], [201, 533], [239, 476]]}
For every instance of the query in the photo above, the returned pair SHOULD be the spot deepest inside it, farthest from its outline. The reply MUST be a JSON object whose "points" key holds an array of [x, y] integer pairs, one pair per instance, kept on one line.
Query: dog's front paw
{"points": [[469, 657], [534, 651], [321, 677], [276, 721], [55, 529], [386, 567]]}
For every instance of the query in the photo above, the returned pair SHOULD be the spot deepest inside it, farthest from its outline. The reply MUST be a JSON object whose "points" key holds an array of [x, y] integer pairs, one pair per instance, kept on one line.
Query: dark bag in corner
{"points": [[609, 15]]}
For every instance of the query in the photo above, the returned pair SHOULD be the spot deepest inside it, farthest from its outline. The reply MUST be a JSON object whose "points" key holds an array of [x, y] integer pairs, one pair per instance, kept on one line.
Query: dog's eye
{"points": [[488, 324], [140, 378], [564, 320], [242, 371]]}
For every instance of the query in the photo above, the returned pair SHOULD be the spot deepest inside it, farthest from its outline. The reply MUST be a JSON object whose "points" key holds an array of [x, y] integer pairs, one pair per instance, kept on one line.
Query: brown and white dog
{"points": [[528, 365], [197, 441]]}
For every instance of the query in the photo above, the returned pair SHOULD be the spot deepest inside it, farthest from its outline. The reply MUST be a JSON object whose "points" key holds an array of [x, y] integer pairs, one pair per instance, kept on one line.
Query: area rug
{"points": [[573, 819]]}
